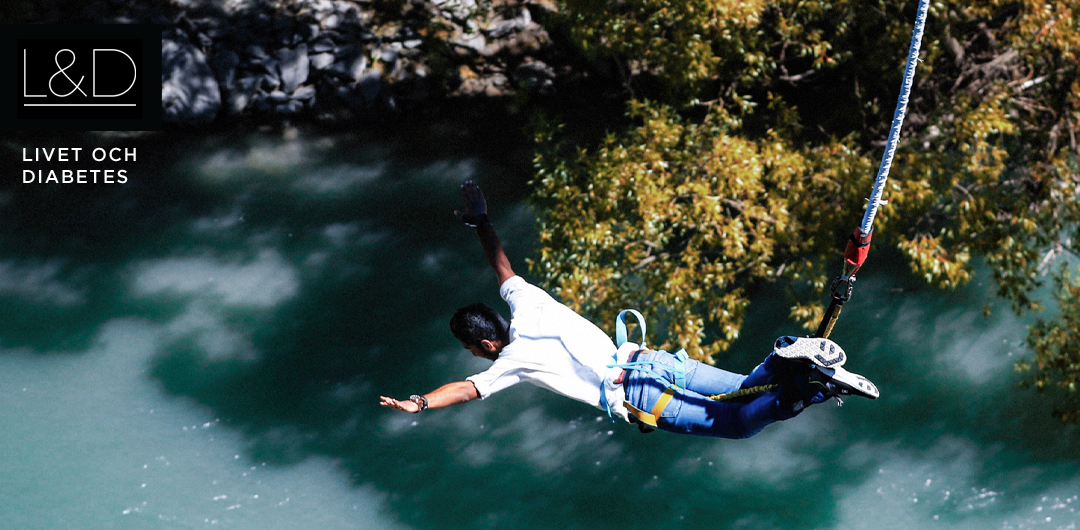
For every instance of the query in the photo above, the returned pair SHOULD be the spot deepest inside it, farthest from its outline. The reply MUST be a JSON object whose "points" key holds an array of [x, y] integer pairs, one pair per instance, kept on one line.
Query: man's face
{"points": [[475, 350], [481, 351]]}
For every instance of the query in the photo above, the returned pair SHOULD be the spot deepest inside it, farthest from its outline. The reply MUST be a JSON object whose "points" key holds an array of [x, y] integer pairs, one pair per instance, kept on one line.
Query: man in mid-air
{"points": [[549, 345]]}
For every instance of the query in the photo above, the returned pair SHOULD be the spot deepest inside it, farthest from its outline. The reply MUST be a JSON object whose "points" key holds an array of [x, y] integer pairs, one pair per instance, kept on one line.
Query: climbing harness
{"points": [[650, 417], [858, 246], [671, 387]]}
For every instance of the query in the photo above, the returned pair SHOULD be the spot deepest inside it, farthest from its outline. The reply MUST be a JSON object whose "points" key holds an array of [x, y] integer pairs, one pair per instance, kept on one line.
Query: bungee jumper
{"points": [[549, 345]]}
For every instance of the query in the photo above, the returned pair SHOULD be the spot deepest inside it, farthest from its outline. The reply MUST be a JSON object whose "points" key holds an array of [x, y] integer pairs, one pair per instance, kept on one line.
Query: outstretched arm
{"points": [[476, 212], [445, 396]]}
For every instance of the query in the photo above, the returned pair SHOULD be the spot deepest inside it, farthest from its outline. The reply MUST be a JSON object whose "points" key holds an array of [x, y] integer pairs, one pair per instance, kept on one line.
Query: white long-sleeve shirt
{"points": [[553, 347]]}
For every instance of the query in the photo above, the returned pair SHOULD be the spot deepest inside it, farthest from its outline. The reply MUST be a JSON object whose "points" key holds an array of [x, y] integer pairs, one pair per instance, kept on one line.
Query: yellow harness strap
{"points": [[649, 418]]}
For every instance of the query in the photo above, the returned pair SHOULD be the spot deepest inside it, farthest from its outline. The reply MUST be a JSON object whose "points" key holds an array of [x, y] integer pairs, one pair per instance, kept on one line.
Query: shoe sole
{"points": [[822, 352], [850, 383]]}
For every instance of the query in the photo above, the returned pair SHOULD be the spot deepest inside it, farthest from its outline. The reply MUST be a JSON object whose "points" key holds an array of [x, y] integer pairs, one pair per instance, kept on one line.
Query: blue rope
{"points": [[898, 121]]}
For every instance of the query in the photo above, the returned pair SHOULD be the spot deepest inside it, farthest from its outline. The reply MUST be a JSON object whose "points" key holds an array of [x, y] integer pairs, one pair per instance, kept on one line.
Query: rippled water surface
{"points": [[204, 346]]}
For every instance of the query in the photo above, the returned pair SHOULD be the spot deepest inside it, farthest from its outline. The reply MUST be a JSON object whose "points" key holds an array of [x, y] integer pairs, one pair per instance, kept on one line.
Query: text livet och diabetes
{"points": [[72, 155]]}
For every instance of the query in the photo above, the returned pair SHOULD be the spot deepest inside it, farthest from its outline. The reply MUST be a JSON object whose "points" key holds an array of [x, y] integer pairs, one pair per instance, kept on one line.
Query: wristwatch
{"points": [[419, 400]]}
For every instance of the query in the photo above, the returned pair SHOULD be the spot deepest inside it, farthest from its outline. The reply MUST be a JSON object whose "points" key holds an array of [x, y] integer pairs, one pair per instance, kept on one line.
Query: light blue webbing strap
{"points": [[672, 388], [620, 327], [620, 339], [643, 366], [679, 369]]}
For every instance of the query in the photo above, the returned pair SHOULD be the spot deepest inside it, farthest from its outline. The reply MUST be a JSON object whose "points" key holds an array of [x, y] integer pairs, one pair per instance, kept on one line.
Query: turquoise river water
{"points": [[203, 346]]}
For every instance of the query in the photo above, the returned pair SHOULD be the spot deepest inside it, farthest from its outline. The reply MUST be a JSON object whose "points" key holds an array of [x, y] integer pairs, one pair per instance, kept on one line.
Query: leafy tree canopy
{"points": [[756, 130]]}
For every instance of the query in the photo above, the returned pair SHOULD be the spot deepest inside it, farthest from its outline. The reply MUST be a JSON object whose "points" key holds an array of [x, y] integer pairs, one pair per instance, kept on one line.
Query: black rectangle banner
{"points": [[80, 77]]}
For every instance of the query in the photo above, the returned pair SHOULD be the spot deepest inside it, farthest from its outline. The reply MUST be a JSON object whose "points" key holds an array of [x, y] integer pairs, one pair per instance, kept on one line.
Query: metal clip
{"points": [[849, 282]]}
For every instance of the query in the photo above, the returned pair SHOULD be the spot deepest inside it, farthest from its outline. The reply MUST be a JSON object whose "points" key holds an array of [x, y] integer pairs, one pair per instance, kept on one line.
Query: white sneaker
{"points": [[842, 382], [819, 351]]}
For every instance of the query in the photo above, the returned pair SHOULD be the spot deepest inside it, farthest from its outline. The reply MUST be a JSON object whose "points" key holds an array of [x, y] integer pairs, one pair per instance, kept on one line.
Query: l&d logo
{"points": [[89, 77], [70, 78]]}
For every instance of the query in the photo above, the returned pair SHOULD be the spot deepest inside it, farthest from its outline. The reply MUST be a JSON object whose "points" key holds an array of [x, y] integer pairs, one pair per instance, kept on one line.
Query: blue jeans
{"points": [[691, 412]]}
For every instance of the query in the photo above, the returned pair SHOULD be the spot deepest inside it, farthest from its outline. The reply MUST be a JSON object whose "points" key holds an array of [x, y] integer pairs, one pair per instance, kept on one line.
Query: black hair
{"points": [[476, 322]]}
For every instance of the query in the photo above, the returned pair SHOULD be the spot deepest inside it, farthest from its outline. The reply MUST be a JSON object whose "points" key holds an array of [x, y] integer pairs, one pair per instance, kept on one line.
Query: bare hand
{"points": [[404, 406], [474, 200]]}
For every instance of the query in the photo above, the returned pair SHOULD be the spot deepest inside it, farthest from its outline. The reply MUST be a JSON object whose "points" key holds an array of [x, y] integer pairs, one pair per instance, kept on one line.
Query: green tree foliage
{"points": [[1056, 344], [757, 128], [680, 217]]}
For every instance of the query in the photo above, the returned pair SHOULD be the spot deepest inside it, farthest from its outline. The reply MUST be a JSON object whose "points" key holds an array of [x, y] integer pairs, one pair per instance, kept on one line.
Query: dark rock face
{"points": [[342, 58], [190, 93]]}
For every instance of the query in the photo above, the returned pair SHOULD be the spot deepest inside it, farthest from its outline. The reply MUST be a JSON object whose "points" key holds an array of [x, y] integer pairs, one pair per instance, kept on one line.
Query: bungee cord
{"points": [[858, 245]]}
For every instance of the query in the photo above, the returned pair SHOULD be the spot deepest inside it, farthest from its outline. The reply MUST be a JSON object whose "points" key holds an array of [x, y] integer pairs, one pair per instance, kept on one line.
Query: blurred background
{"points": [[204, 344]]}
